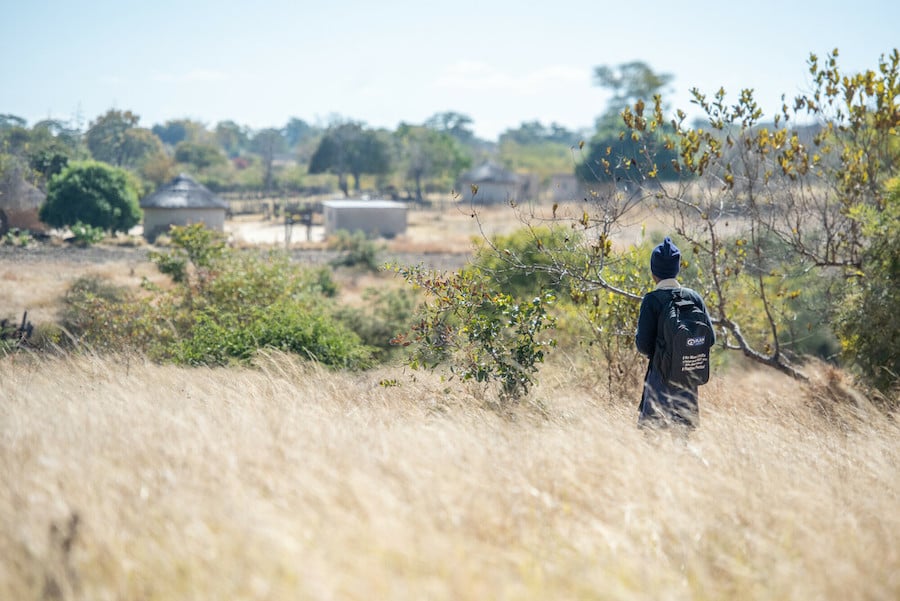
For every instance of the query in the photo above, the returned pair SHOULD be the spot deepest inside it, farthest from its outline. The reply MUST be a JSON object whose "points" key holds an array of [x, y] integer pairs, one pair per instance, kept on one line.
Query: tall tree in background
{"points": [[614, 155], [348, 148], [301, 138], [535, 132], [427, 153], [370, 154], [40, 152], [171, 132], [231, 137], [629, 82], [115, 138], [538, 149], [105, 136], [330, 156], [182, 130], [199, 156], [268, 143], [53, 144], [297, 131], [8, 120], [457, 125]]}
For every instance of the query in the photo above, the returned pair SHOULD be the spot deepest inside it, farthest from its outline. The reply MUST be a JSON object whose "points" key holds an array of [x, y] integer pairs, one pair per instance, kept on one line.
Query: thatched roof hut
{"points": [[182, 201], [19, 204], [494, 183]]}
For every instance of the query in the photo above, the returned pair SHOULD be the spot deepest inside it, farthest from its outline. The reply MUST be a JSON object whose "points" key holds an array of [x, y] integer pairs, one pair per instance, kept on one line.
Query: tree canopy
{"points": [[429, 153], [615, 155], [774, 217], [115, 138], [348, 148], [630, 82], [92, 193]]}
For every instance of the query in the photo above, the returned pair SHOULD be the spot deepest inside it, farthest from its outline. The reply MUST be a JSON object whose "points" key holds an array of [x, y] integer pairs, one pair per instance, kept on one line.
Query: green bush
{"points": [[521, 263], [86, 235], [107, 317], [869, 323], [92, 193], [357, 250], [224, 306], [384, 315], [482, 334], [17, 238], [217, 339]]}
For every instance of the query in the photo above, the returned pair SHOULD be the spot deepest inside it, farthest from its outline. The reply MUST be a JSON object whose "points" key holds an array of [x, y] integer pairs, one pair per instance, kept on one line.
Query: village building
{"points": [[565, 187], [20, 203], [494, 185], [385, 218], [182, 201]]}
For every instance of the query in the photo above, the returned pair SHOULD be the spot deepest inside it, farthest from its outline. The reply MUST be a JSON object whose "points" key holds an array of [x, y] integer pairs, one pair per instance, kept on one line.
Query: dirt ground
{"points": [[443, 226], [33, 278], [447, 228]]}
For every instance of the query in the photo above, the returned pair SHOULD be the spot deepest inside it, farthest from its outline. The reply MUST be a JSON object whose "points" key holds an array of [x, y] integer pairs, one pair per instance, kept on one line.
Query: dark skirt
{"points": [[663, 405]]}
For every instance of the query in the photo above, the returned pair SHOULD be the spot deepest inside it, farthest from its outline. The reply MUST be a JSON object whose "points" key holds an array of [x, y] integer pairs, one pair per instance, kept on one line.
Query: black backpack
{"points": [[683, 342]]}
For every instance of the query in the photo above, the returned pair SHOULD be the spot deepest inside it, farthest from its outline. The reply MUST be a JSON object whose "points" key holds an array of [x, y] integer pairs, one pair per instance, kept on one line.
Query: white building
{"points": [[384, 218]]}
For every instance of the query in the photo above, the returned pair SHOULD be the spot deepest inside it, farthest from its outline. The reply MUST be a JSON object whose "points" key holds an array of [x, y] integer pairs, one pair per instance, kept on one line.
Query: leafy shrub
{"points": [[357, 249], [217, 339], [225, 305], [613, 317], [17, 237], [385, 314], [484, 335], [518, 263], [93, 193], [868, 323], [195, 253], [106, 317], [86, 235]]}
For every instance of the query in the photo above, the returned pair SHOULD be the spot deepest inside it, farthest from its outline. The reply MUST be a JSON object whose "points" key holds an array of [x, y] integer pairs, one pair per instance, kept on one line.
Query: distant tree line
{"points": [[299, 157], [116, 158]]}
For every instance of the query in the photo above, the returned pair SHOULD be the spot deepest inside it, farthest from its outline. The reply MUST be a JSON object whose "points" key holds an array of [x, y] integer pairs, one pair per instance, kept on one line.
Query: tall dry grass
{"points": [[128, 480]]}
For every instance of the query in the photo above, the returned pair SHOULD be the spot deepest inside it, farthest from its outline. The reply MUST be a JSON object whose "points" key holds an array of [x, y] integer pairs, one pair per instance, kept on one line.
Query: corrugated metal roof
{"points": [[183, 192]]}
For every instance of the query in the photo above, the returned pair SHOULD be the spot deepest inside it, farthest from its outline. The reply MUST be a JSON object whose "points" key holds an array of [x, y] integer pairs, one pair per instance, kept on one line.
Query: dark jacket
{"points": [[661, 401]]}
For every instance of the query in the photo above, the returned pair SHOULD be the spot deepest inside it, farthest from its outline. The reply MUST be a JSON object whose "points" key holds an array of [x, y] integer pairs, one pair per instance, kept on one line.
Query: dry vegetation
{"points": [[126, 480]]}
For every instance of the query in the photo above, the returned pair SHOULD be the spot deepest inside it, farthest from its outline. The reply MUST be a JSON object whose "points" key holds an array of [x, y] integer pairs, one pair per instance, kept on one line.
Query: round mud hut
{"points": [[182, 201], [20, 203]]}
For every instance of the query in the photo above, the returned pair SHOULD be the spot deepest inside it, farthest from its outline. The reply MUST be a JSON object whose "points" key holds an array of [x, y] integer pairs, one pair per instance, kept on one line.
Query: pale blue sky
{"points": [[382, 62]]}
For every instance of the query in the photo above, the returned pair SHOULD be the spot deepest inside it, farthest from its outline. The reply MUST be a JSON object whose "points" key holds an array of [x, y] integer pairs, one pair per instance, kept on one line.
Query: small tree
{"points": [[92, 193], [758, 207], [868, 323], [481, 333]]}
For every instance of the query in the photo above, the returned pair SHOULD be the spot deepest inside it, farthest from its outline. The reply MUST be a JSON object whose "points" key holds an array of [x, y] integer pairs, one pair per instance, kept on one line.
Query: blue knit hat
{"points": [[665, 260]]}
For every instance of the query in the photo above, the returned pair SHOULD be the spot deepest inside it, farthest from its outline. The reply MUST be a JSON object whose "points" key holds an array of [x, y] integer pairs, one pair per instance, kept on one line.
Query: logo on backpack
{"points": [[683, 342]]}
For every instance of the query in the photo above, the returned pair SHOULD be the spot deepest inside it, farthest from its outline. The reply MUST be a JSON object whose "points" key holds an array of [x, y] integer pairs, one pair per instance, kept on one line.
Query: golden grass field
{"points": [[127, 480]]}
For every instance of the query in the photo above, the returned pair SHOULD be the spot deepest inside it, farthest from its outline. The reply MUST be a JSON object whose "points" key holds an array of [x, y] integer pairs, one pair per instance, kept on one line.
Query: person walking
{"points": [[664, 402]]}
